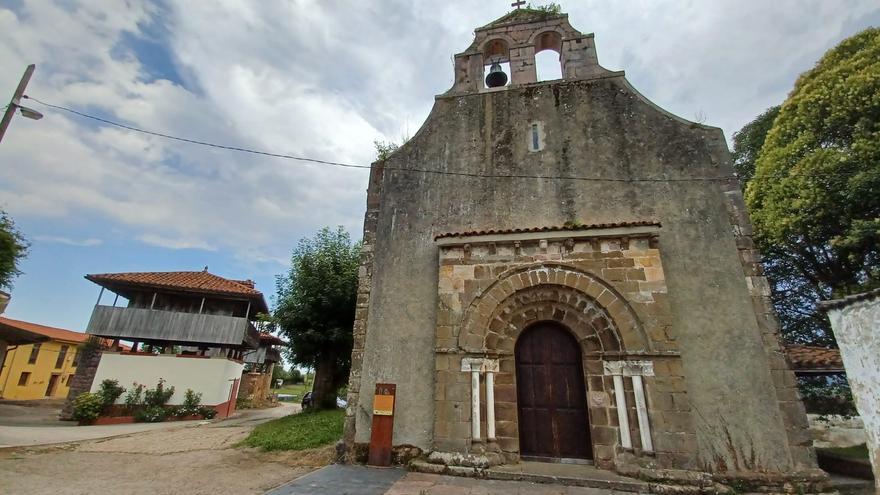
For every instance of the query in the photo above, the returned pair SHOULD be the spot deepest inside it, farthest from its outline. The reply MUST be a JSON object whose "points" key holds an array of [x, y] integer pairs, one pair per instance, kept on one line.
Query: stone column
{"points": [[622, 416], [636, 370], [475, 404], [490, 405], [474, 366], [642, 412]]}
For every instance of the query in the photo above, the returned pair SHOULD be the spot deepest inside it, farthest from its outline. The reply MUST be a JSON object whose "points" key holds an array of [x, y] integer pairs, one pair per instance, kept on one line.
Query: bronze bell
{"points": [[496, 77]]}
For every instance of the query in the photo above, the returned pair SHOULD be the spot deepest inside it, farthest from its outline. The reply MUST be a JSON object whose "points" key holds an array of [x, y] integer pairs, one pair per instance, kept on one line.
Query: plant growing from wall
{"points": [[87, 407]]}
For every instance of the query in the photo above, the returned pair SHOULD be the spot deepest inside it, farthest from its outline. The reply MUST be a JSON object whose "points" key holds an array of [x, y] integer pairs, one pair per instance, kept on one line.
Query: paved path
{"points": [[342, 480], [64, 432], [360, 480]]}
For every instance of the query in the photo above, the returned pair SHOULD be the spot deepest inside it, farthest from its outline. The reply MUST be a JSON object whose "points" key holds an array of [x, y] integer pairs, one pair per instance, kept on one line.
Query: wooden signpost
{"points": [[383, 425]]}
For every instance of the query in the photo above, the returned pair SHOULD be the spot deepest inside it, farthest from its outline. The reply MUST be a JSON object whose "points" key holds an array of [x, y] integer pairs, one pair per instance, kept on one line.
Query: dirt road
{"points": [[194, 460]]}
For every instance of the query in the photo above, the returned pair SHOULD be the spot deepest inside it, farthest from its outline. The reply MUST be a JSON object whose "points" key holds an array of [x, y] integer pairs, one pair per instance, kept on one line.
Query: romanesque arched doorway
{"points": [[551, 395]]}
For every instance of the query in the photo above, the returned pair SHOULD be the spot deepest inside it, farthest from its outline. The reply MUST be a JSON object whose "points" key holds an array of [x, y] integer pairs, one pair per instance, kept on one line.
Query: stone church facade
{"points": [[563, 271]]}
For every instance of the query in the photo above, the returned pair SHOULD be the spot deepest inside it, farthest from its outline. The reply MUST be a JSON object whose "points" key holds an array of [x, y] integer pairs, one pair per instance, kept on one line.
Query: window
{"points": [[35, 351], [23, 379], [75, 359], [61, 355], [536, 136]]}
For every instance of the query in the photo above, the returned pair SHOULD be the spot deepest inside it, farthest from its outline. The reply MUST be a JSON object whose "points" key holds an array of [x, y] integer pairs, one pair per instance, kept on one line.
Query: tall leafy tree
{"points": [[815, 195], [13, 249], [316, 308], [794, 294]]}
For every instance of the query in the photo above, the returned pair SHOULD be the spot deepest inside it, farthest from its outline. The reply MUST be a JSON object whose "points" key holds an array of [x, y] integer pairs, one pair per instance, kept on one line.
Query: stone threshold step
{"points": [[600, 481]]}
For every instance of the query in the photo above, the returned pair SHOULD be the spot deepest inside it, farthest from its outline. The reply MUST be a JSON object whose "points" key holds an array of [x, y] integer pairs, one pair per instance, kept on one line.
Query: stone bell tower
{"points": [[516, 38], [563, 271]]}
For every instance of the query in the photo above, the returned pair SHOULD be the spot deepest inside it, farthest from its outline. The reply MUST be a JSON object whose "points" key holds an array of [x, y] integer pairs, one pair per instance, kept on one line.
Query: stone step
{"points": [[622, 485], [604, 480]]}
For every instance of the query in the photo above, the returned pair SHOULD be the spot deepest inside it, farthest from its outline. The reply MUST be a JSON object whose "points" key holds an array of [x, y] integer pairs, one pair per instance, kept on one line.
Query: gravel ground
{"points": [[193, 460]]}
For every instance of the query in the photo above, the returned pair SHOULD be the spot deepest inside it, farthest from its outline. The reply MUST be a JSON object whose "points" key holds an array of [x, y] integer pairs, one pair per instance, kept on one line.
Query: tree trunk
{"points": [[323, 390]]}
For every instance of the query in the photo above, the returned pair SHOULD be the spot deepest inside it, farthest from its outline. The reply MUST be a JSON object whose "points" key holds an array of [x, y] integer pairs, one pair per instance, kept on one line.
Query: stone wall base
{"points": [[631, 479]]}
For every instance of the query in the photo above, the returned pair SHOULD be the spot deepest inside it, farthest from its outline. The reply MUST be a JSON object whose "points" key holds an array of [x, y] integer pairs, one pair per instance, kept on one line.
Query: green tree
{"points": [[794, 294], [13, 249], [747, 144], [815, 196], [316, 307]]}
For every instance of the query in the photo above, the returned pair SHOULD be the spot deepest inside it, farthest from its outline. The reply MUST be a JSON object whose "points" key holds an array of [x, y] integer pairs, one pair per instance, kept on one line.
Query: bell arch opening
{"points": [[548, 56], [496, 63]]}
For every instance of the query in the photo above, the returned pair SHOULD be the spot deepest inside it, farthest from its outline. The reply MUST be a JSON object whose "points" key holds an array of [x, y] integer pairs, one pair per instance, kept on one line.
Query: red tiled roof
{"points": [[805, 358], [270, 339], [566, 227], [202, 282], [51, 332]]}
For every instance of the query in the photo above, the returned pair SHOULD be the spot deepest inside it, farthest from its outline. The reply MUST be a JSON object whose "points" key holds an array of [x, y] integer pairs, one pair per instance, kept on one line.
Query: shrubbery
{"points": [[87, 407], [146, 405]]}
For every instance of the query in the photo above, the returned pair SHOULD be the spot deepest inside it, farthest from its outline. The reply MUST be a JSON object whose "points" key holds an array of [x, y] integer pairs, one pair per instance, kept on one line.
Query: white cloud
{"points": [[324, 79], [68, 241]]}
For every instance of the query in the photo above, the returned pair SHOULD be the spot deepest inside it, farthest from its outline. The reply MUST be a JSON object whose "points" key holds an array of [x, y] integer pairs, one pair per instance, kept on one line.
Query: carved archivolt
{"points": [[596, 313]]}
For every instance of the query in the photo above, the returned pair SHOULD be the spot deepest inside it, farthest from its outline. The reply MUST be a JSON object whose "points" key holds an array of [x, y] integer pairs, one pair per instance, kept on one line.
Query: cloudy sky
{"points": [[313, 78]]}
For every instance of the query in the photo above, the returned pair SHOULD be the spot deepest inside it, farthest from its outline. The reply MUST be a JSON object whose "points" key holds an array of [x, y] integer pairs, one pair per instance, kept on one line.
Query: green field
{"points": [[298, 390], [298, 431]]}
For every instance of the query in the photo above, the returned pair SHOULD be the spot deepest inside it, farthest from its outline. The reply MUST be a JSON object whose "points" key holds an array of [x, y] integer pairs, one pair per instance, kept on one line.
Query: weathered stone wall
{"points": [[856, 327], [598, 128]]}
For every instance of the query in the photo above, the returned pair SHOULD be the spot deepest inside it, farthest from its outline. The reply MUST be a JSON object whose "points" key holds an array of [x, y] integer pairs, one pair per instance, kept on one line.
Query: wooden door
{"points": [[53, 383], [551, 396]]}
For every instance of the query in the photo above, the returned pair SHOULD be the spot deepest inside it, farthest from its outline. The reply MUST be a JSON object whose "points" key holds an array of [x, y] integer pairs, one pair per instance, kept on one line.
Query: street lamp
{"points": [[15, 103]]}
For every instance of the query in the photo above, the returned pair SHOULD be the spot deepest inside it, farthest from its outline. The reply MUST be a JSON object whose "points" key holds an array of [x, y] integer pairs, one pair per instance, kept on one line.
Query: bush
{"points": [[87, 406], [110, 391], [151, 414], [135, 397], [191, 403], [243, 403], [207, 412], [159, 396]]}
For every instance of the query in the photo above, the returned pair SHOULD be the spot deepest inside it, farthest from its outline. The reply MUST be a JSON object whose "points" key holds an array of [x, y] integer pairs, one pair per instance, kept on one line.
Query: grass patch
{"points": [[854, 452], [301, 431], [298, 389]]}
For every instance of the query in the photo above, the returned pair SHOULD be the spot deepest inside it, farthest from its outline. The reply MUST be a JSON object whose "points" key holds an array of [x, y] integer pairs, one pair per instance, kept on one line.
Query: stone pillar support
{"points": [[636, 370], [475, 366]]}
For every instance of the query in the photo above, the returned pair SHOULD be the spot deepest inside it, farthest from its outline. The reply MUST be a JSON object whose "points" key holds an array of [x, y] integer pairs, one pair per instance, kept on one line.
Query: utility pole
{"points": [[15, 103]]}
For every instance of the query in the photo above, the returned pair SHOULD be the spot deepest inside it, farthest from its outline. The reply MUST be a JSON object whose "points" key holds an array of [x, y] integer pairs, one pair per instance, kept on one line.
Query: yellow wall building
{"points": [[41, 370]]}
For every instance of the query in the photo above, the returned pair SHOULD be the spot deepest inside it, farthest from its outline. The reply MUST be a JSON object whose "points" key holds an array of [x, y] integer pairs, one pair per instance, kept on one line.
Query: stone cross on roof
{"points": [[518, 4]]}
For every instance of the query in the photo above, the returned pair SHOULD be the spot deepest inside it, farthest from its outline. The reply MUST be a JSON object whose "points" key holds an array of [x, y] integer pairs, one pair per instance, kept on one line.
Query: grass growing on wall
{"points": [[855, 452], [298, 431]]}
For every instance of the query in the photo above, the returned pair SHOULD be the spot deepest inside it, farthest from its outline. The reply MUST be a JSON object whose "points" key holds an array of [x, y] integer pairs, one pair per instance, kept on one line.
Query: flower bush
{"points": [[159, 396], [87, 407], [110, 391], [151, 414]]}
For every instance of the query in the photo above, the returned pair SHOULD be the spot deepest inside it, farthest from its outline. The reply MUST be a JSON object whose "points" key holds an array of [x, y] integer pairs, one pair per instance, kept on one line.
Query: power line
{"points": [[402, 169]]}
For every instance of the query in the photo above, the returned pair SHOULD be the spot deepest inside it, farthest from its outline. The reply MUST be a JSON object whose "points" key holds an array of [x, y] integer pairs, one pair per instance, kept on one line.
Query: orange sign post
{"points": [[383, 425]]}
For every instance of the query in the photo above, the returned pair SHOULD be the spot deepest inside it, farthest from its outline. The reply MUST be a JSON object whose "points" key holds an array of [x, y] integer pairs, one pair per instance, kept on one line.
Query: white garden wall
{"points": [[212, 377], [856, 327]]}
